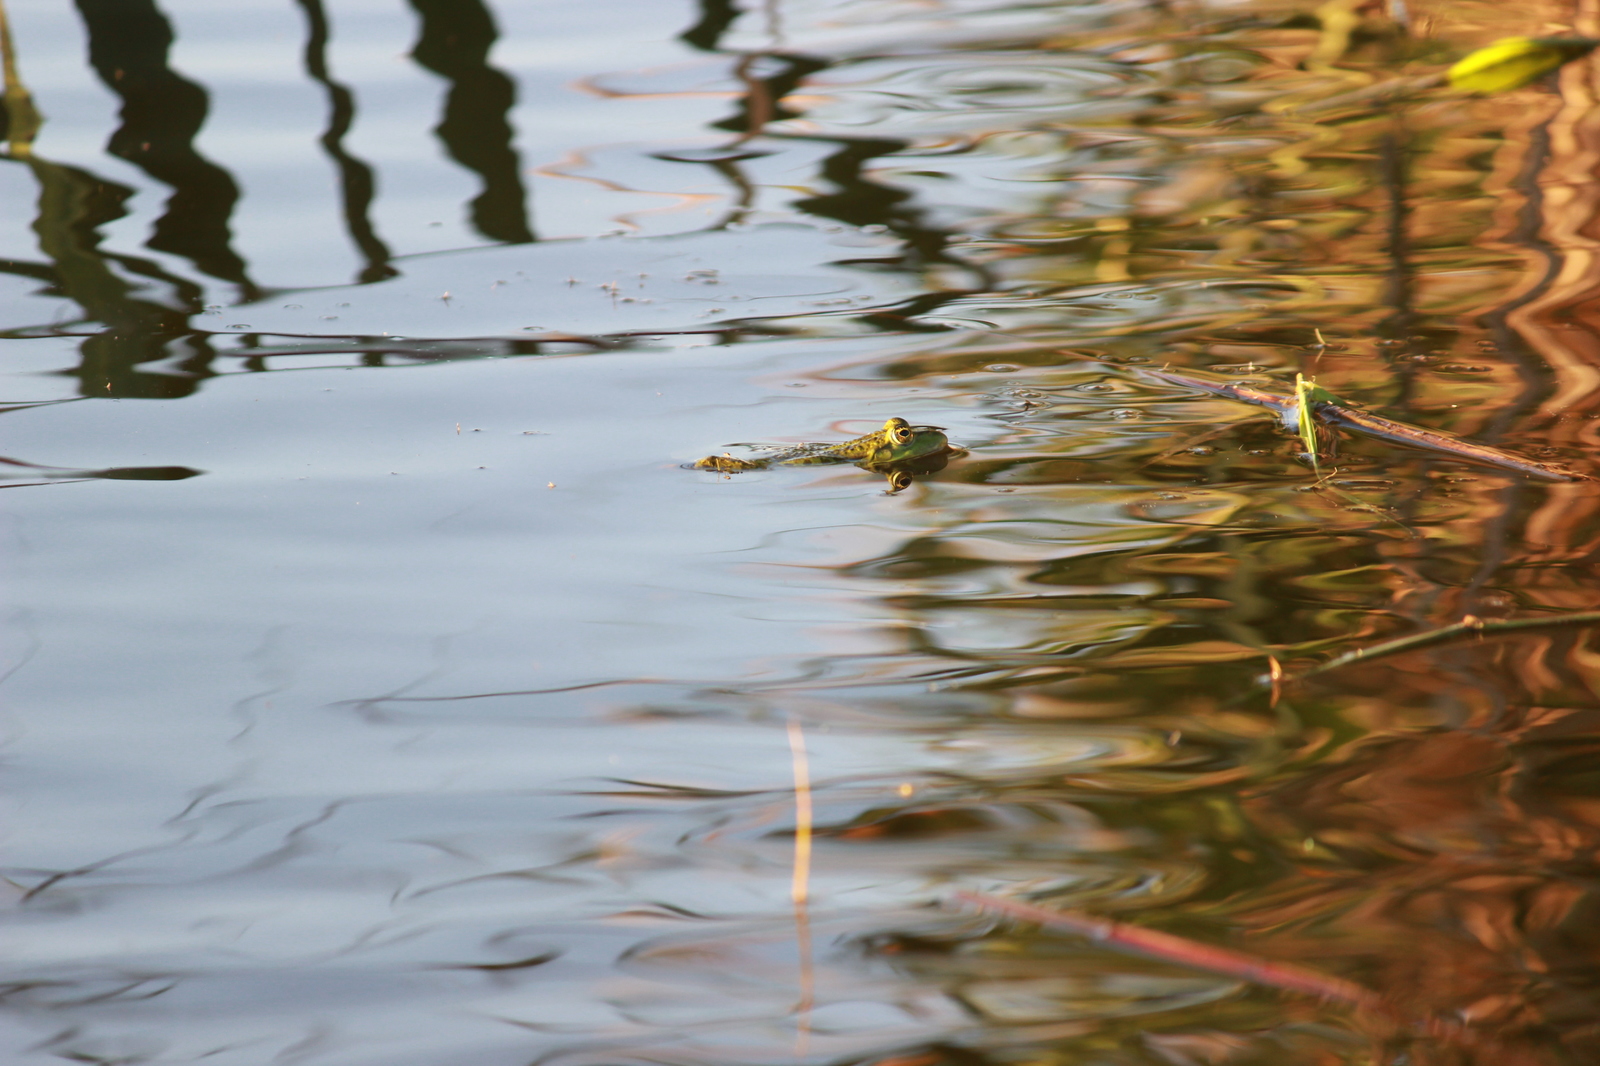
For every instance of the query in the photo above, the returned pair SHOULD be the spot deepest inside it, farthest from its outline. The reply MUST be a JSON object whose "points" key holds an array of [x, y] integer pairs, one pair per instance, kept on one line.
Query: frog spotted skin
{"points": [[897, 442]]}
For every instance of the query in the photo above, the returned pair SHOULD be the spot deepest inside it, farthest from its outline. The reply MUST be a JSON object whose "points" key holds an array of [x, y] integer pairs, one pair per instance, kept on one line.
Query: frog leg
{"points": [[727, 464]]}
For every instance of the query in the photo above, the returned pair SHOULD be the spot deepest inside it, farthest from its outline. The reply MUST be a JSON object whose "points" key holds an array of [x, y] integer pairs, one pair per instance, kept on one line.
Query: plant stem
{"points": [[1445, 634]]}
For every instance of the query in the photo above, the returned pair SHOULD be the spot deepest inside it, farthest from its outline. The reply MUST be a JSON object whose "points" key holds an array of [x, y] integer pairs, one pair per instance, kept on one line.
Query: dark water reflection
{"points": [[454, 42], [356, 181], [162, 113], [380, 688]]}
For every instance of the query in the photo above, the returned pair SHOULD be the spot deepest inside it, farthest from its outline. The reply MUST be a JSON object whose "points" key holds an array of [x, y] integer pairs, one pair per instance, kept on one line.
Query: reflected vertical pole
{"points": [[357, 183], [130, 42], [800, 887], [455, 40], [22, 119]]}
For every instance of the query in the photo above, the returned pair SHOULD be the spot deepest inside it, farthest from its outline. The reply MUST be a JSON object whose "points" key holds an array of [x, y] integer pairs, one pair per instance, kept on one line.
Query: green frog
{"points": [[898, 444]]}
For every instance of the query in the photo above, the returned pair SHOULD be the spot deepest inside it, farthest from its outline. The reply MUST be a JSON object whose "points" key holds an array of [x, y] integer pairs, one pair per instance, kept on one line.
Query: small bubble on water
{"points": [[1126, 413], [1001, 368], [240, 325]]}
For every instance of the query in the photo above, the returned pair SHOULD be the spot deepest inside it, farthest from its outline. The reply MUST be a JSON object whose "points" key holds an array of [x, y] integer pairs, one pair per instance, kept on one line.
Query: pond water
{"points": [[382, 685]]}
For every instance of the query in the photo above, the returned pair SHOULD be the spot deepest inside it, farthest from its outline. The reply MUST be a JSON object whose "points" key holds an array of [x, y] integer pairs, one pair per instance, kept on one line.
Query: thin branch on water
{"points": [[1468, 625], [1212, 959], [1181, 950], [1384, 429]]}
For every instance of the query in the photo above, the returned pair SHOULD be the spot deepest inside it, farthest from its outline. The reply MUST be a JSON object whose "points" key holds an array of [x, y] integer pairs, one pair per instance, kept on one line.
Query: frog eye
{"points": [[901, 434]]}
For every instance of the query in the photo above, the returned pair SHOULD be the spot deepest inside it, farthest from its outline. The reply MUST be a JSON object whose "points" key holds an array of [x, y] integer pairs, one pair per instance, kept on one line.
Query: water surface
{"points": [[383, 688]]}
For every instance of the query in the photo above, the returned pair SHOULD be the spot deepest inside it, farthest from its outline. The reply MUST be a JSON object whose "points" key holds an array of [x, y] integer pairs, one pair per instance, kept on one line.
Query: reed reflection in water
{"points": [[147, 318]]}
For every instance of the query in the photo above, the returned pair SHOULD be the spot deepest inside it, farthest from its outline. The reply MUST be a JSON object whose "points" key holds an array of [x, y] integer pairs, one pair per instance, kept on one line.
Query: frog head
{"points": [[899, 441]]}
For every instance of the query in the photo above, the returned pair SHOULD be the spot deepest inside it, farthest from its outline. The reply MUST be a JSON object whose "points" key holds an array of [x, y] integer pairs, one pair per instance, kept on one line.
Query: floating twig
{"points": [[1445, 634], [1223, 961], [1386, 429], [1185, 952], [1375, 97], [1507, 64]]}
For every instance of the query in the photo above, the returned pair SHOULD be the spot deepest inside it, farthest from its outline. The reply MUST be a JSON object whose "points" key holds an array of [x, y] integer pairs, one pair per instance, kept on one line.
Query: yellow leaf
{"points": [[1305, 401], [1514, 62]]}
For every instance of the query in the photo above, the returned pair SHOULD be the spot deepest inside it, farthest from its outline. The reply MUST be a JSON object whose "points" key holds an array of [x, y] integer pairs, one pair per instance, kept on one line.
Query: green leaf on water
{"points": [[1307, 394], [1514, 62]]}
